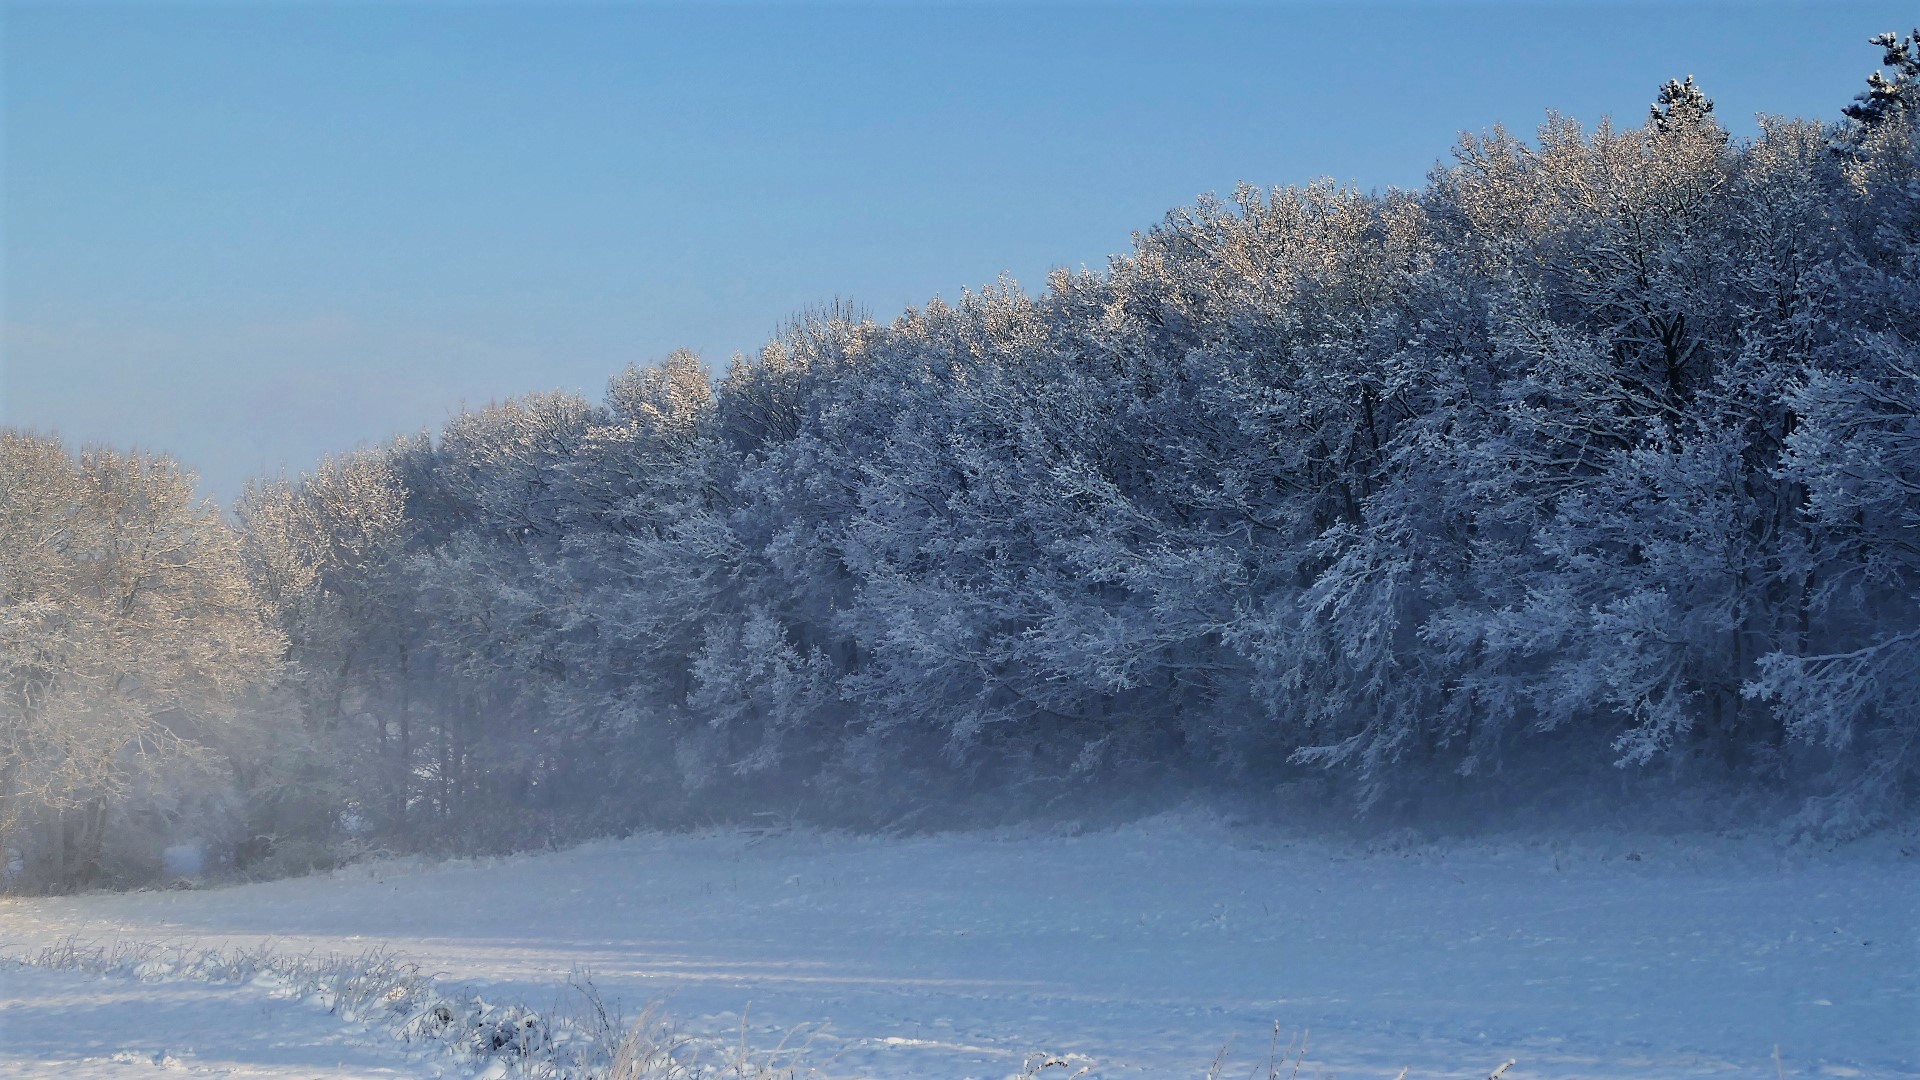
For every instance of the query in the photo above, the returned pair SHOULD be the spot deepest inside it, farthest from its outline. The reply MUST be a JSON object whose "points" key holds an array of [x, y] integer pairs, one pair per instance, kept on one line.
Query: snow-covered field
{"points": [[68, 1024], [1139, 951]]}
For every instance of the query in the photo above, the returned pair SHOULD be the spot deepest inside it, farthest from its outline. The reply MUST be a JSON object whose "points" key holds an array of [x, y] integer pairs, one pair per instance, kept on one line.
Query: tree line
{"points": [[1597, 456]]}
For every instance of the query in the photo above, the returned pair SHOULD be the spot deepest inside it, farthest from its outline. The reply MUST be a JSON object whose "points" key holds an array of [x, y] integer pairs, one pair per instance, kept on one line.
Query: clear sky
{"points": [[253, 234]]}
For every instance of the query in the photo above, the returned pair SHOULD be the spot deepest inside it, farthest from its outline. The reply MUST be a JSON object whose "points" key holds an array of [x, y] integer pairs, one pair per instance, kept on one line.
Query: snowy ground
{"points": [[81, 1027], [1141, 950]]}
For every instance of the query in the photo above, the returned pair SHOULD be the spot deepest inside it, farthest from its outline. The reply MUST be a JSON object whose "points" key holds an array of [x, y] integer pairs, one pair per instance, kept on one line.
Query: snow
{"points": [[1139, 950], [88, 1027]]}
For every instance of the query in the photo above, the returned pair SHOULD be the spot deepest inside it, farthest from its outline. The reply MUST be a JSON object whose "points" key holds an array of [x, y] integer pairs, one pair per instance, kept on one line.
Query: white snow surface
{"points": [[1138, 951], [88, 1027]]}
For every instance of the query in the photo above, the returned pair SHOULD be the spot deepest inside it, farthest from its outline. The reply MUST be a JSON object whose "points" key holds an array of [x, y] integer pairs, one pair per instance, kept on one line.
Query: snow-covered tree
{"points": [[1586, 456], [129, 640]]}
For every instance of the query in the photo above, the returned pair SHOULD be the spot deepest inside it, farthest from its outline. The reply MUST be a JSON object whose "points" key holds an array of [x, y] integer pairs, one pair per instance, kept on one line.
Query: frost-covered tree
{"points": [[327, 554], [1588, 458], [130, 639]]}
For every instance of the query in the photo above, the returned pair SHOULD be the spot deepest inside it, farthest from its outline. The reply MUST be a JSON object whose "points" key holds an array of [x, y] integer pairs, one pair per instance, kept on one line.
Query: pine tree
{"points": [[1886, 97], [1680, 104]]}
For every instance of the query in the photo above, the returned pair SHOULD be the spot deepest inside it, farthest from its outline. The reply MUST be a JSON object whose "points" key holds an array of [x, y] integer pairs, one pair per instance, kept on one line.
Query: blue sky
{"points": [[252, 234]]}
